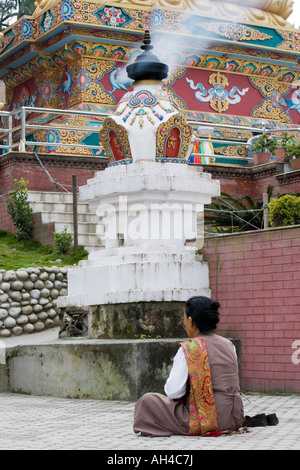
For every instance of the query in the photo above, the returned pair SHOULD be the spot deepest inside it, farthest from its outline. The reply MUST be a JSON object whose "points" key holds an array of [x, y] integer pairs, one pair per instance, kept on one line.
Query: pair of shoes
{"points": [[257, 420], [272, 420], [261, 420]]}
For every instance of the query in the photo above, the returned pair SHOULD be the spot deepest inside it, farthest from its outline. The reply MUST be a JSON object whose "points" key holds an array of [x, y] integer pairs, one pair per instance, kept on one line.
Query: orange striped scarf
{"points": [[203, 417]]}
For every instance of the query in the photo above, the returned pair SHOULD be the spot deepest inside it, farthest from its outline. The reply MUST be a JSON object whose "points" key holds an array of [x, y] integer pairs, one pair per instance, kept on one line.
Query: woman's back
{"points": [[225, 381]]}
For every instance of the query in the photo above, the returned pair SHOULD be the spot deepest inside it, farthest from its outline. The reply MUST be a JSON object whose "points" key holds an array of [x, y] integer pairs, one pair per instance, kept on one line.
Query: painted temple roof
{"points": [[259, 11], [250, 55], [39, 42]]}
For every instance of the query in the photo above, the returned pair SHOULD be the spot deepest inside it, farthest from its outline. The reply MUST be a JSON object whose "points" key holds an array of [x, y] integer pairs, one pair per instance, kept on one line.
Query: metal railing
{"points": [[16, 135], [15, 132]]}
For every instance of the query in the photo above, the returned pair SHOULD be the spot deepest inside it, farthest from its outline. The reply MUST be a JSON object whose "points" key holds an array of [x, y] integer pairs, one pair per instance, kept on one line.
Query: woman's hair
{"points": [[204, 312]]}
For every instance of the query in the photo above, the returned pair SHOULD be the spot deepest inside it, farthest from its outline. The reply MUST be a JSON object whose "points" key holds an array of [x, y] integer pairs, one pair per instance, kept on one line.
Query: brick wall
{"points": [[256, 278], [25, 165], [253, 181], [5, 218]]}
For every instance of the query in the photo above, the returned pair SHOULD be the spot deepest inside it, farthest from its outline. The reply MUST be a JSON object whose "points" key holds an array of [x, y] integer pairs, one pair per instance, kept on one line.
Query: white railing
{"points": [[14, 132]]}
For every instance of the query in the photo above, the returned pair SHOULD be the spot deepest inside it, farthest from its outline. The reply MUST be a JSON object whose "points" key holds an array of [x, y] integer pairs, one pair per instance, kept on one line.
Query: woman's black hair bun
{"points": [[204, 312], [212, 317], [214, 306]]}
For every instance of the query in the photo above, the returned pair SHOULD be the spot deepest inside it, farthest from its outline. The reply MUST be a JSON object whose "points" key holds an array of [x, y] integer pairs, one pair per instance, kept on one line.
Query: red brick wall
{"points": [[256, 278], [5, 218], [60, 167], [253, 181]]}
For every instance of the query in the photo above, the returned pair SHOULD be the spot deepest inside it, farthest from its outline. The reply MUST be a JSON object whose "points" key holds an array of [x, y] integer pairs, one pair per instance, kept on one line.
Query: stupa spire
{"points": [[147, 66]]}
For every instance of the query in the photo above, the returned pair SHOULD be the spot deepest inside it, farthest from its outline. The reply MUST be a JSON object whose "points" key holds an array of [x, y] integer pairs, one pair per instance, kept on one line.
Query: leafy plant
{"points": [[19, 210], [63, 241], [14, 9], [227, 214], [284, 211], [293, 149], [265, 143], [283, 140]]}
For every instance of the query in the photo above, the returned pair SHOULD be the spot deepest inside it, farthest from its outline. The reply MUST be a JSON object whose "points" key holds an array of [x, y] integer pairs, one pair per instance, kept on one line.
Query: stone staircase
{"points": [[53, 211]]}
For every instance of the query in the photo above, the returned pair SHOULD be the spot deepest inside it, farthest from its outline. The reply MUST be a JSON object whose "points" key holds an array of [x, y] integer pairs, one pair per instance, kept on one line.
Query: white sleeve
{"points": [[175, 386]]}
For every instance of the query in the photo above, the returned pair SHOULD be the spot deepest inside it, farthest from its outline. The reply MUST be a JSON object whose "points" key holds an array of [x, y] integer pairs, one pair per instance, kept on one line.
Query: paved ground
{"points": [[50, 423]]}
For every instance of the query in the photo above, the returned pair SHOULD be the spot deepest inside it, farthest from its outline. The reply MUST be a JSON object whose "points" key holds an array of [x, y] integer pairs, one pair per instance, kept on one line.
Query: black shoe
{"points": [[272, 420], [257, 420]]}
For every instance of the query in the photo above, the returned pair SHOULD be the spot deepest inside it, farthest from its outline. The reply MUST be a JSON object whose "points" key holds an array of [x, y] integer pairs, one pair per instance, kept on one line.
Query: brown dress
{"points": [[158, 415]]}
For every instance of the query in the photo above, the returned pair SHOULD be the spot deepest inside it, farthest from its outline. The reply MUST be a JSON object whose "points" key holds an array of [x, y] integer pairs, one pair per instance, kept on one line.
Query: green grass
{"points": [[30, 253]]}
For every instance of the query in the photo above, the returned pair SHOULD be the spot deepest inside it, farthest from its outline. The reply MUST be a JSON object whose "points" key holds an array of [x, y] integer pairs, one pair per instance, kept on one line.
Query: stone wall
{"points": [[104, 370], [28, 299]]}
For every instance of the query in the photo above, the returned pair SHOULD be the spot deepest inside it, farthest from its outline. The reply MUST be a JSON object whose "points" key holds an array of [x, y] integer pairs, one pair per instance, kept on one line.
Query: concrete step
{"points": [[88, 239], [67, 217], [83, 227], [57, 209], [44, 196]]}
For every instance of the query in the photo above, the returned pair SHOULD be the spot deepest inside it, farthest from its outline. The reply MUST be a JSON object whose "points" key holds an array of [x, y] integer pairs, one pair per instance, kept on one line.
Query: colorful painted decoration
{"points": [[144, 98], [47, 21], [115, 142], [26, 98], [66, 10], [73, 55], [112, 16], [173, 138], [26, 29], [5, 42], [157, 19], [293, 102], [234, 31], [66, 83], [83, 79], [218, 97], [119, 79], [49, 90], [53, 137]]}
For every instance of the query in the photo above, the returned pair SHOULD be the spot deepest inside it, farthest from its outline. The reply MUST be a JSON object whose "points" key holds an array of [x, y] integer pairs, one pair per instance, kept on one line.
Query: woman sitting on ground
{"points": [[202, 390]]}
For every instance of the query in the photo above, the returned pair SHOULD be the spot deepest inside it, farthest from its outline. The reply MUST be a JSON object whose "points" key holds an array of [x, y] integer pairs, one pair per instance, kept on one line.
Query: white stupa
{"points": [[149, 199]]}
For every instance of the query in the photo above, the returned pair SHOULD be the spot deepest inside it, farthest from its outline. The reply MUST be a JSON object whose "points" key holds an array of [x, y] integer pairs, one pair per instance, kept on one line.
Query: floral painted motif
{"points": [[83, 80], [53, 137], [26, 29], [66, 10], [112, 16], [234, 31], [48, 91], [203, 417]]}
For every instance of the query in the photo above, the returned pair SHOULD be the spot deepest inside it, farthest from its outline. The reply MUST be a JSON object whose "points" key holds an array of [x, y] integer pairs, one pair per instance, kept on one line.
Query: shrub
{"points": [[226, 214], [293, 149], [284, 211], [265, 143], [63, 241], [19, 210]]}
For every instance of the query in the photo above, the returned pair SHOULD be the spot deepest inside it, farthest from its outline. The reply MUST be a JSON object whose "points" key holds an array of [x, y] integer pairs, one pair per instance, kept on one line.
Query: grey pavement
{"points": [[51, 423]]}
